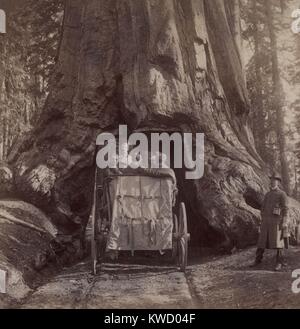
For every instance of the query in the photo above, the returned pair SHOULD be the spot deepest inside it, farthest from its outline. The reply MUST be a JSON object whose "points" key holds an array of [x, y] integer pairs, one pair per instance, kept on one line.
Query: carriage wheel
{"points": [[94, 247], [94, 255], [183, 238], [98, 245], [94, 244], [175, 239], [102, 246]]}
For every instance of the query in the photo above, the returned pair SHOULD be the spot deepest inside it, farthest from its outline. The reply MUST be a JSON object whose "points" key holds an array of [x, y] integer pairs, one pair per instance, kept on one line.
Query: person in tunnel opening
{"points": [[274, 226]]}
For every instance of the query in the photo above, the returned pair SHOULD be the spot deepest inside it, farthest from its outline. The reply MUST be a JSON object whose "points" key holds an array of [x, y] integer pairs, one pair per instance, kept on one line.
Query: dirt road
{"points": [[216, 282]]}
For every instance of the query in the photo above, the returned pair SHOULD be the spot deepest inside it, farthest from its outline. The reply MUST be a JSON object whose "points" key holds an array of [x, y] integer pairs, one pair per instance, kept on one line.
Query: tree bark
{"points": [[259, 118], [163, 64], [235, 23]]}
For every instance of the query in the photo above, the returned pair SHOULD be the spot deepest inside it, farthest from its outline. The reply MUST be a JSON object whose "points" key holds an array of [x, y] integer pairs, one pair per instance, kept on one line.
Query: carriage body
{"points": [[134, 209]]}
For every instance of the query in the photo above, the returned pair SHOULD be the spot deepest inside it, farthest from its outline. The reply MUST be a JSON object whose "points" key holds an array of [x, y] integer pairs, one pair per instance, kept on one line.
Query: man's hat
{"points": [[275, 175]]}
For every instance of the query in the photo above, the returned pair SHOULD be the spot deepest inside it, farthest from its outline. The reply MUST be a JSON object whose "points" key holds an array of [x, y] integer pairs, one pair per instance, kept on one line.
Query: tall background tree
{"points": [[271, 65]]}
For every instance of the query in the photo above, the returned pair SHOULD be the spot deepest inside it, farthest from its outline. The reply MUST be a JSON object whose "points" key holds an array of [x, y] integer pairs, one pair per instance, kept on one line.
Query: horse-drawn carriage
{"points": [[135, 209]]}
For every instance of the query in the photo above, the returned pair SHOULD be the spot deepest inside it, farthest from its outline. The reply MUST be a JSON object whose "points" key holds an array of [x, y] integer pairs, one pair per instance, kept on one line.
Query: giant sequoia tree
{"points": [[164, 64]]}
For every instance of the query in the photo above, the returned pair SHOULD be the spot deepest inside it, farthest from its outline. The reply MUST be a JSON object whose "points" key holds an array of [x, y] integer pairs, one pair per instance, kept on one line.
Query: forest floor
{"points": [[212, 282], [147, 280]]}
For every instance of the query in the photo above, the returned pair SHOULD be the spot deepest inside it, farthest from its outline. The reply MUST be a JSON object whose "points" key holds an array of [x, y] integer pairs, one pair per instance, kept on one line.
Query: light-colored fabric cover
{"points": [[141, 213]]}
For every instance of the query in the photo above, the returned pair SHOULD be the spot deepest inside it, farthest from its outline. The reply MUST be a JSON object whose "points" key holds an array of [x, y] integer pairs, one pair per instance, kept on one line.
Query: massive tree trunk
{"points": [[164, 64]]}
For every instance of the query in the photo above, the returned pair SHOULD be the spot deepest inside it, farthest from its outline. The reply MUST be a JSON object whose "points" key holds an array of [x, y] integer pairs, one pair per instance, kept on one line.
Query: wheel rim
{"points": [[95, 267], [183, 219], [182, 254], [94, 249], [183, 238], [175, 240]]}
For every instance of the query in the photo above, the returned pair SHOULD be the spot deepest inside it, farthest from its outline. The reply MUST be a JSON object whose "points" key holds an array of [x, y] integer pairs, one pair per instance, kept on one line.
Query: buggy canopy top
{"points": [[159, 172]]}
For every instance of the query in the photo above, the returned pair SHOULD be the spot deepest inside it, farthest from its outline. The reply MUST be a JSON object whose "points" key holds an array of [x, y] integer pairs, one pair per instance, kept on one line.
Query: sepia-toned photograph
{"points": [[149, 156]]}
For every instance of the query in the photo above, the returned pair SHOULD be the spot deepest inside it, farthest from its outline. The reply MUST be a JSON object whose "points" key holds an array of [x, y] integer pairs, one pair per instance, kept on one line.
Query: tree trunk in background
{"points": [[235, 22], [259, 118], [278, 97], [2, 125], [12, 95], [3, 108], [163, 64], [296, 105]]}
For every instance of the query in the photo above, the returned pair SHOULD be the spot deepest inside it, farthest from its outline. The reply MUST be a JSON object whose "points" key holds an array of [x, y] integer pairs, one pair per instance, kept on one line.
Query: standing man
{"points": [[274, 213]]}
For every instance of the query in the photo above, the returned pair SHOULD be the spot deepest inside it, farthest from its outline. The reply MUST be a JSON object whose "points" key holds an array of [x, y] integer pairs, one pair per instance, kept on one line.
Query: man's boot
{"points": [[279, 260], [278, 267]]}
